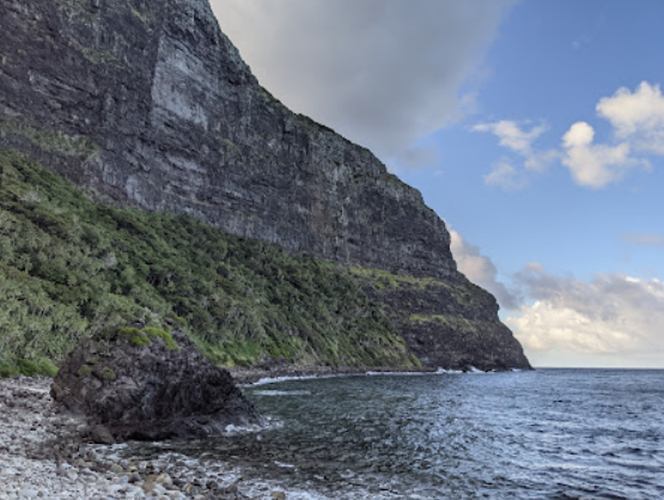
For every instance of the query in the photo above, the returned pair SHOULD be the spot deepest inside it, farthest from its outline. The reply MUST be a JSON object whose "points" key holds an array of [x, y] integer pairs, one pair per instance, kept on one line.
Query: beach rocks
{"points": [[149, 385], [43, 457]]}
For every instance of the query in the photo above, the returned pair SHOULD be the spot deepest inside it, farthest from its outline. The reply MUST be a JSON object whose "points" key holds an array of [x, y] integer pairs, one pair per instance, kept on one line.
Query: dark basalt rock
{"points": [[140, 387]]}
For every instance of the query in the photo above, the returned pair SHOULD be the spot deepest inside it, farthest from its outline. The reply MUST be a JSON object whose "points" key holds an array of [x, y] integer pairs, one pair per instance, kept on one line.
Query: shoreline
{"points": [[246, 376], [45, 452], [45, 455]]}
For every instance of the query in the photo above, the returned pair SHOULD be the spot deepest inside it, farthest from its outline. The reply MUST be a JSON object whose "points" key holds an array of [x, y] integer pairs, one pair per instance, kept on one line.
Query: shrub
{"points": [[71, 269]]}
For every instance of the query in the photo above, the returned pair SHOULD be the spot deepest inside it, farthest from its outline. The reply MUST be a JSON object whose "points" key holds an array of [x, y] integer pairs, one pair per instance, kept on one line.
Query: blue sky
{"points": [[549, 68], [534, 128]]}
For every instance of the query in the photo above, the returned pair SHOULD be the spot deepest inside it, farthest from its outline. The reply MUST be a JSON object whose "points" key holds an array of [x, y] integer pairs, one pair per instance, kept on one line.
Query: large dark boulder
{"points": [[149, 385]]}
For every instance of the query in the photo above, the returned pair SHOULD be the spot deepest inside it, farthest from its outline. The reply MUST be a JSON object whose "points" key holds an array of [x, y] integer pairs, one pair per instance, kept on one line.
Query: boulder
{"points": [[147, 384]]}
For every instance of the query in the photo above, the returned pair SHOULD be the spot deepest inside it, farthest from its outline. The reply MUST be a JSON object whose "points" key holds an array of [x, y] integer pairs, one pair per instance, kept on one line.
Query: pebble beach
{"points": [[44, 456]]}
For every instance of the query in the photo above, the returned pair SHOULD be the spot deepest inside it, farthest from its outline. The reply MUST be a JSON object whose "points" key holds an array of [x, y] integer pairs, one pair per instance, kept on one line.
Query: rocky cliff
{"points": [[147, 103]]}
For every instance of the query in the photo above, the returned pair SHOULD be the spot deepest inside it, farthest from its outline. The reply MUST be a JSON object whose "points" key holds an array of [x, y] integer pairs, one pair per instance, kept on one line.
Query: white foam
{"points": [[403, 374], [281, 393], [446, 371], [276, 380]]}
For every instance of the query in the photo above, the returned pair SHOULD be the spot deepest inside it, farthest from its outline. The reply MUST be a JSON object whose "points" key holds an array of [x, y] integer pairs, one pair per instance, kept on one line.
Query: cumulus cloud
{"points": [[519, 141], [594, 165], [384, 73], [512, 136], [480, 270], [612, 316], [637, 120], [637, 117]]}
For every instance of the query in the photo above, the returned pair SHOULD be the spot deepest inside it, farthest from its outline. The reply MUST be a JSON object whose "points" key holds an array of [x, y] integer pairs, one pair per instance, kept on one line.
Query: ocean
{"points": [[544, 434]]}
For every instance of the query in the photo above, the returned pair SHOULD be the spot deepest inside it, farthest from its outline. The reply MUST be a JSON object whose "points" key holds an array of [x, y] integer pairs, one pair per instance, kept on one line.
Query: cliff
{"points": [[146, 103]]}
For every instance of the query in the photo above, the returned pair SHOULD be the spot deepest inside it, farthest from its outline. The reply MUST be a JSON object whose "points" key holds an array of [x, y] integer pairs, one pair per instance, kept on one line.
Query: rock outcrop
{"points": [[447, 324], [147, 103], [149, 385]]}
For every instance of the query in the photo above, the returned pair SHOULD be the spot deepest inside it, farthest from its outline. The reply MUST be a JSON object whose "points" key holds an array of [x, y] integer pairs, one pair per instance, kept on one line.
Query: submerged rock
{"points": [[149, 385]]}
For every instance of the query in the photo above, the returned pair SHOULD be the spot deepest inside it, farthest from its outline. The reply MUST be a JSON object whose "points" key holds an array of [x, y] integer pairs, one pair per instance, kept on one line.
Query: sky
{"points": [[535, 129]]}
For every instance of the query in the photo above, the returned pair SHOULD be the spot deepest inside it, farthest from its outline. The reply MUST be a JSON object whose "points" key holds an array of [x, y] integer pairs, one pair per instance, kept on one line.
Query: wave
{"points": [[281, 393]]}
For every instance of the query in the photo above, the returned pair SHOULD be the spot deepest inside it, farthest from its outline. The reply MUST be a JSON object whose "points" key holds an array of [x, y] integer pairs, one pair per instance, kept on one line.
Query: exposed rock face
{"points": [[452, 325], [179, 122], [149, 104], [140, 387]]}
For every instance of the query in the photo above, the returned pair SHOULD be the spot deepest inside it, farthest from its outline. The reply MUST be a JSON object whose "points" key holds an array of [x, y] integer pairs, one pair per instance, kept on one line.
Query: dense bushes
{"points": [[70, 269]]}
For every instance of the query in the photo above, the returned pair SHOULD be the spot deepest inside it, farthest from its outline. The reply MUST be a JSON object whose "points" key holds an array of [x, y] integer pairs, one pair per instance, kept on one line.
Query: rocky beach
{"points": [[44, 456]]}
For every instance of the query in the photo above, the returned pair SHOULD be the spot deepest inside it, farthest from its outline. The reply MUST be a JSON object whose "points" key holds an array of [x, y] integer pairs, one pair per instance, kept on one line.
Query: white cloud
{"points": [[637, 117], [480, 269], [609, 320], [505, 176], [594, 165], [538, 161], [520, 142], [638, 123], [384, 73], [511, 136]]}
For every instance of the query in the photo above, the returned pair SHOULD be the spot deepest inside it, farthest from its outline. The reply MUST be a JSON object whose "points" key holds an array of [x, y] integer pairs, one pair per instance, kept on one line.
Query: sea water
{"points": [[544, 434]]}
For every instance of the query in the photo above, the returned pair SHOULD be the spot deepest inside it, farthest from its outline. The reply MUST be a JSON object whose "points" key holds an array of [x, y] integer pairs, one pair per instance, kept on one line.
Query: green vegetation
{"points": [[466, 296], [84, 370], [50, 140], [140, 338], [385, 280], [163, 336], [19, 366], [71, 269], [465, 326], [136, 337], [108, 373]]}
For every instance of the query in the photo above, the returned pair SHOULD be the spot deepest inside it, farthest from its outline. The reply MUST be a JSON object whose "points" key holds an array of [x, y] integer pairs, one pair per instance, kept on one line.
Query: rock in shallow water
{"points": [[145, 385]]}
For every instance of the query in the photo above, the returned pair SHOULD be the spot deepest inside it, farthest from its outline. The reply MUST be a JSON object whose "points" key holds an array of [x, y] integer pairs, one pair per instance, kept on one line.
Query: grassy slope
{"points": [[71, 269]]}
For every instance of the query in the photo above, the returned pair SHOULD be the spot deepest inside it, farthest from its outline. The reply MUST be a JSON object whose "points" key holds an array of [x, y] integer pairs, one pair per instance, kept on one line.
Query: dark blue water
{"points": [[547, 434]]}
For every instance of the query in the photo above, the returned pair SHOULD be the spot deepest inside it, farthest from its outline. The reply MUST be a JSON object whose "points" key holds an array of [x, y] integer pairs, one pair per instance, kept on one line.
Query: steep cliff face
{"points": [[147, 103], [181, 124]]}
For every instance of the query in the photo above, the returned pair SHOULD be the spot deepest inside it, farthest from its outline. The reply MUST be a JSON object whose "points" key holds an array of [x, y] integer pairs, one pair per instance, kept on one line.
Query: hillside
{"points": [[147, 107], [71, 269]]}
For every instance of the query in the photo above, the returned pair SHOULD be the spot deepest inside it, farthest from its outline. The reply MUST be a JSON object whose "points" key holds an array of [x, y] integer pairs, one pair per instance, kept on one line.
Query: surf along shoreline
{"points": [[47, 454]]}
